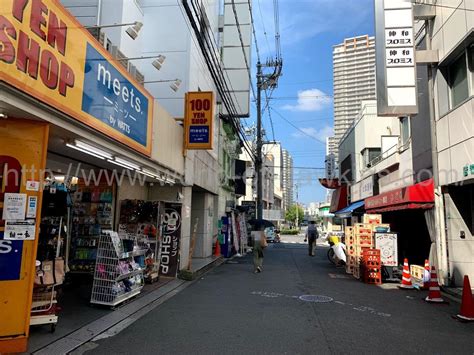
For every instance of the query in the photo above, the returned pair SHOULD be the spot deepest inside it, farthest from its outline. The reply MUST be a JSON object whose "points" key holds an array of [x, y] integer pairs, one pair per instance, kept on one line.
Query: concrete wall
{"points": [[203, 210], [167, 140]]}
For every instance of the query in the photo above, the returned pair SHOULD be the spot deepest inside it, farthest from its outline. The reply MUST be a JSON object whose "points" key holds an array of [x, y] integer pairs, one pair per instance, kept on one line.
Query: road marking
{"points": [[322, 299]]}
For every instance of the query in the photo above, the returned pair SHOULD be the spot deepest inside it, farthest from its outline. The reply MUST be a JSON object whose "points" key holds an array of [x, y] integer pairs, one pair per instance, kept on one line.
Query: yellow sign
{"points": [[22, 157], [45, 52], [198, 120]]}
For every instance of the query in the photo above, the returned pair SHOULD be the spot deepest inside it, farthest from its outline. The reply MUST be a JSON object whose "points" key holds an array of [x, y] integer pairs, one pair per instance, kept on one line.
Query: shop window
{"points": [[458, 82]]}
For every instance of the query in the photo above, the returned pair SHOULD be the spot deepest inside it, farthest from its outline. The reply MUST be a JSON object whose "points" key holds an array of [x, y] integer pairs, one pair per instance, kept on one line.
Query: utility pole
{"points": [[264, 81], [297, 209], [258, 158]]}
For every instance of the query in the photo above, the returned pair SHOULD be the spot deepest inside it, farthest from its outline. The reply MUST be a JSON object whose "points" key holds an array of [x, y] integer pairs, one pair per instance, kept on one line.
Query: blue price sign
{"points": [[111, 98], [199, 134], [10, 259]]}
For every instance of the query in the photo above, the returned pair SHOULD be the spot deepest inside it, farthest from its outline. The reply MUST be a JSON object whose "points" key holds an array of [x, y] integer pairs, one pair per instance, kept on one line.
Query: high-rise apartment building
{"points": [[287, 179], [354, 80]]}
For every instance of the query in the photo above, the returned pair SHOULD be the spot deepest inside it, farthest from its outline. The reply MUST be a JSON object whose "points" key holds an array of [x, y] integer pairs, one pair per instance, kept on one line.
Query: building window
{"points": [[458, 81], [404, 130], [369, 154]]}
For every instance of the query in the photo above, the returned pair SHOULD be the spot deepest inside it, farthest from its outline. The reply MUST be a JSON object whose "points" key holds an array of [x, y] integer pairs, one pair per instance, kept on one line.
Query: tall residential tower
{"points": [[354, 80]]}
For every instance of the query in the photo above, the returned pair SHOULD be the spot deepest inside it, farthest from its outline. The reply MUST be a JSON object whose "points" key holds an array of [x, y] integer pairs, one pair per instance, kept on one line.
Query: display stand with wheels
{"points": [[117, 277]]}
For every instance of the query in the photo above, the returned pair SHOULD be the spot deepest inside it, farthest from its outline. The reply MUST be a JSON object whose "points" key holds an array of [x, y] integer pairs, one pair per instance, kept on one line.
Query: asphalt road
{"points": [[231, 310]]}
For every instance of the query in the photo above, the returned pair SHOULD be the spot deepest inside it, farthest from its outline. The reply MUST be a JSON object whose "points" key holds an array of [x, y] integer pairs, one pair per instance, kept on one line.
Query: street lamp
{"points": [[132, 30]]}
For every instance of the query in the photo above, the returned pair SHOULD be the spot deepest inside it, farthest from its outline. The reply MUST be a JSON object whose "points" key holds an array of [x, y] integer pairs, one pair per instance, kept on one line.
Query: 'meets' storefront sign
{"points": [[46, 53]]}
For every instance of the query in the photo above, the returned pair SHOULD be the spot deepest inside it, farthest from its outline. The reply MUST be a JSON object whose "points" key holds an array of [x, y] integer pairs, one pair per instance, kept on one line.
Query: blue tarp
{"points": [[347, 211]]}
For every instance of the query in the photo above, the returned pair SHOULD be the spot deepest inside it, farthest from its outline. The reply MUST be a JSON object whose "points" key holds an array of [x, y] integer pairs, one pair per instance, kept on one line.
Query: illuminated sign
{"points": [[45, 52], [198, 120], [395, 53]]}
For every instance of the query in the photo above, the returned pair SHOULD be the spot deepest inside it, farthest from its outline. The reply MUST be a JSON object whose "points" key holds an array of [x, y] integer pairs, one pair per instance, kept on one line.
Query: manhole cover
{"points": [[316, 298]]}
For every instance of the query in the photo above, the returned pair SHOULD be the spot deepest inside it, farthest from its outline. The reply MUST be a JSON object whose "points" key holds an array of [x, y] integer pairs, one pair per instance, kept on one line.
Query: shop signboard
{"points": [[362, 189], [47, 54], [198, 120], [387, 243], [171, 238], [396, 67], [18, 238]]}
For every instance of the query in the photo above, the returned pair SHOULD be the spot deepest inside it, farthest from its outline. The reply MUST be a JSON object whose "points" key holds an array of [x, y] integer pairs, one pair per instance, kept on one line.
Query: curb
{"points": [[451, 295]]}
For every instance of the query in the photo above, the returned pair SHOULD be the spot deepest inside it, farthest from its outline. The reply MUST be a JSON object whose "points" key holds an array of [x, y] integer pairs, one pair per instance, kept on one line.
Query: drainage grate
{"points": [[316, 298]]}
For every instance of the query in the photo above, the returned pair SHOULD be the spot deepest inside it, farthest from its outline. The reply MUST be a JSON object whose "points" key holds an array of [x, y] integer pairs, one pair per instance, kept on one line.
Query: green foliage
{"points": [[289, 231], [291, 214]]}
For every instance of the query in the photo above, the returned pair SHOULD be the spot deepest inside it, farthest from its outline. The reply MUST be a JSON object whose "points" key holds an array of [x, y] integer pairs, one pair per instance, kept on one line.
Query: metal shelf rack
{"points": [[117, 277]]}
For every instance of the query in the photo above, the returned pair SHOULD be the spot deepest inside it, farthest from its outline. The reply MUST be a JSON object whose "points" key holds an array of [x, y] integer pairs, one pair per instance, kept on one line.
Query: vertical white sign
{"points": [[396, 68]]}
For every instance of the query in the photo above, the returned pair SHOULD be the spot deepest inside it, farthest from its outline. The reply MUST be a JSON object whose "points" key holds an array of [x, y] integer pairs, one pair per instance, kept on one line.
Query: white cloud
{"points": [[310, 100], [319, 134]]}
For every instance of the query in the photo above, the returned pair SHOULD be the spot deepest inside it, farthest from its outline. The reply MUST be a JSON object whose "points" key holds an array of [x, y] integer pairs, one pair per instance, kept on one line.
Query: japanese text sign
{"points": [[396, 68], [46, 53], [199, 120]]}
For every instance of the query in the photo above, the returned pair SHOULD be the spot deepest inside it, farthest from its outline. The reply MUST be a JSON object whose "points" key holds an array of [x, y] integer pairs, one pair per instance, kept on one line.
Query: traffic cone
{"points": [[426, 274], [217, 252], [406, 277], [467, 305], [434, 296]]}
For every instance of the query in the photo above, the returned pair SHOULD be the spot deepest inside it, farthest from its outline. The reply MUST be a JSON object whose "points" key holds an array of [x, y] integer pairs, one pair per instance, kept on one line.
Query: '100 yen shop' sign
{"points": [[198, 120]]}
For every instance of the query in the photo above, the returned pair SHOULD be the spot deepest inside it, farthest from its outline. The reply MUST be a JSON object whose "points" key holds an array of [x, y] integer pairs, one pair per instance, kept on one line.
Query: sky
{"points": [[308, 30]]}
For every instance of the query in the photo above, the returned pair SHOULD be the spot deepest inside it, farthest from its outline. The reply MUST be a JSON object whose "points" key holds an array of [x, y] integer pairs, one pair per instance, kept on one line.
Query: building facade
{"points": [[287, 180], [452, 88], [354, 81]]}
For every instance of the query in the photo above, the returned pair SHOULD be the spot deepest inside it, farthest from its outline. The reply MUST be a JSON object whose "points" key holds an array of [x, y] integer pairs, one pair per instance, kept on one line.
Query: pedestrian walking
{"points": [[259, 243], [311, 236]]}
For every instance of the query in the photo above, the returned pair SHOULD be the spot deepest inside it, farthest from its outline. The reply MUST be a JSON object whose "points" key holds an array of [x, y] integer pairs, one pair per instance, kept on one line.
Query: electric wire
{"points": [[213, 64], [443, 6], [243, 48], [297, 128]]}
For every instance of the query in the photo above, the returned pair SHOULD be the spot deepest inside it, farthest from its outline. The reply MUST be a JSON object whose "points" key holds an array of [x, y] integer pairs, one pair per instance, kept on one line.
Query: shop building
{"points": [[450, 35], [80, 136]]}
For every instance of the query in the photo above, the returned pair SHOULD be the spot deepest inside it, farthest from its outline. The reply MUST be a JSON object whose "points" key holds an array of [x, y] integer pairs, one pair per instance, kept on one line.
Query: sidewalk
{"points": [[99, 322]]}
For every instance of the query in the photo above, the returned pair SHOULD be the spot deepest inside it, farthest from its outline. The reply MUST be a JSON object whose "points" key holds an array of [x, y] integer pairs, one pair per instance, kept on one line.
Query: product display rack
{"points": [[117, 277], [89, 219]]}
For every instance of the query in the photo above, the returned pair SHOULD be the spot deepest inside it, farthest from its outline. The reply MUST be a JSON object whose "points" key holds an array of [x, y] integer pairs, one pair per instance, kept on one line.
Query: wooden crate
{"points": [[372, 218], [356, 272], [350, 269]]}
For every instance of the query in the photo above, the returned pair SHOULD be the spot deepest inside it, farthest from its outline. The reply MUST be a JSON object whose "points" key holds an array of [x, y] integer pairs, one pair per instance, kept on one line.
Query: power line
{"points": [[296, 127], [243, 47], [445, 6], [263, 25], [305, 97]]}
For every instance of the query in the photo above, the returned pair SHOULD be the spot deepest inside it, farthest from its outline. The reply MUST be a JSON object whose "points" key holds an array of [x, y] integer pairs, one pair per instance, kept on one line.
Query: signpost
{"points": [[198, 120]]}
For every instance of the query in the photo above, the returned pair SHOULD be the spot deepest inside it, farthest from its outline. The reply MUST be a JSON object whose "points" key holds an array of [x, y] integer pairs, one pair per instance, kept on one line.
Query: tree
{"points": [[290, 215]]}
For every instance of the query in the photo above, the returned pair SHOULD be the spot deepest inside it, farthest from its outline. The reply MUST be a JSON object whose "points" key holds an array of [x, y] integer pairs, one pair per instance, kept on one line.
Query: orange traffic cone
{"points": [[426, 275], [467, 305], [434, 296], [406, 277], [217, 252]]}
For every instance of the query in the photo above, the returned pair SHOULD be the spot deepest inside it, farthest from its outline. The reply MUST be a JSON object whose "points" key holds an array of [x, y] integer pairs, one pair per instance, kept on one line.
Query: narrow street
{"points": [[231, 310]]}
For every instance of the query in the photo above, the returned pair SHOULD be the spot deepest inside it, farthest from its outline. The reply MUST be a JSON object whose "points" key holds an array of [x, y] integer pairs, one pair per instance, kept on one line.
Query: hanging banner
{"points": [[198, 120], [171, 238], [49, 55]]}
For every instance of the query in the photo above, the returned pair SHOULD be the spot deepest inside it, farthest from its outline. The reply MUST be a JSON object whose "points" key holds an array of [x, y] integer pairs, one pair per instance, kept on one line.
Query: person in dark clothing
{"points": [[311, 236]]}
